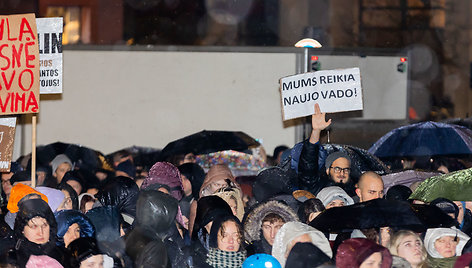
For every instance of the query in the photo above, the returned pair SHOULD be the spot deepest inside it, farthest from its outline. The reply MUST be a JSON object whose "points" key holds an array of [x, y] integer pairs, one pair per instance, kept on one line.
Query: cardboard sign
{"points": [[7, 140], [334, 90], [50, 54], [19, 65]]}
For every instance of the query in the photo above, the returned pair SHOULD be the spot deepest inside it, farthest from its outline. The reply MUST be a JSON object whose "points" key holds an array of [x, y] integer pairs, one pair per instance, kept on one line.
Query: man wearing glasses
{"points": [[337, 164]]}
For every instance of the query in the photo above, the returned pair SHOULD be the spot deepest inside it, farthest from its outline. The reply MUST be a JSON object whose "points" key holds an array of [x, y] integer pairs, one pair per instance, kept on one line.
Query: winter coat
{"points": [[24, 248], [106, 221], [292, 230], [434, 234], [55, 197], [216, 173], [155, 216], [66, 218], [121, 192], [312, 177], [167, 174], [253, 219], [7, 238], [353, 252]]}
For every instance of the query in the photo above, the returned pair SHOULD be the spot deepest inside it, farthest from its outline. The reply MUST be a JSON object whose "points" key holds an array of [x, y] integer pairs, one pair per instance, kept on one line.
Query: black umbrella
{"points": [[381, 213], [205, 142], [81, 156]]}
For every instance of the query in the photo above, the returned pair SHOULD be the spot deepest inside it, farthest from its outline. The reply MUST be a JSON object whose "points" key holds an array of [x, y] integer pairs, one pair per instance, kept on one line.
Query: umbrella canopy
{"points": [[424, 139], [205, 142], [361, 160], [465, 122], [379, 213], [456, 186], [81, 156], [240, 164], [406, 177]]}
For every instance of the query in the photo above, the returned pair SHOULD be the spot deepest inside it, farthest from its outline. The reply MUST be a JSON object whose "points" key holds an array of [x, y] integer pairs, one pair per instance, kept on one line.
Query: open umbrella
{"points": [[379, 213], [424, 139], [456, 186], [406, 177], [241, 164], [81, 156], [205, 142]]}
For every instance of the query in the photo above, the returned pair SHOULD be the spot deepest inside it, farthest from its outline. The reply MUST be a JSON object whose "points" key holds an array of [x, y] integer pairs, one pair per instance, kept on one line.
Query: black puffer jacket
{"points": [[155, 219], [121, 192], [309, 176]]}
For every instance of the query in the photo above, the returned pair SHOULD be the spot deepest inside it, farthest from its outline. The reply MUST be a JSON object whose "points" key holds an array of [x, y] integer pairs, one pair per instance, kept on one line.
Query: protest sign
{"points": [[19, 65], [334, 90], [50, 54], [7, 140]]}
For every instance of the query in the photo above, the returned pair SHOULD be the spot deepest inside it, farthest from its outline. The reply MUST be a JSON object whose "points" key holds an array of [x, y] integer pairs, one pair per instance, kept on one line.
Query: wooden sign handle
{"points": [[33, 151]]}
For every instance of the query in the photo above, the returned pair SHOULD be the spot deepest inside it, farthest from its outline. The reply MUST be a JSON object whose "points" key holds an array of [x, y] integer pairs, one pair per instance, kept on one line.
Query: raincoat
{"points": [[353, 252], [434, 259], [66, 218]]}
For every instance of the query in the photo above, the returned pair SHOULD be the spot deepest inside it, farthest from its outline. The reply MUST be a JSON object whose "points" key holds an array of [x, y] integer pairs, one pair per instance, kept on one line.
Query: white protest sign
{"points": [[334, 90], [50, 54]]}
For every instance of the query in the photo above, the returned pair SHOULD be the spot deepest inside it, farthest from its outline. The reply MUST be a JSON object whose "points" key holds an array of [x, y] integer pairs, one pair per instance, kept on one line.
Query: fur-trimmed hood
{"points": [[253, 220]]}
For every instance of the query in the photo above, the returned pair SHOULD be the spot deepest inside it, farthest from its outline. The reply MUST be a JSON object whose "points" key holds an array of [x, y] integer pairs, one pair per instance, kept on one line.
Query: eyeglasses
{"points": [[339, 169]]}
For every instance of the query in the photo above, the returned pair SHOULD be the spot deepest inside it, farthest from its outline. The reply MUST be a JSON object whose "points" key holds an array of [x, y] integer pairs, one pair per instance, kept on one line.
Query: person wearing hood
{"points": [[273, 181], [262, 223], [60, 165], [218, 176], [72, 224], [122, 193], [20, 193], [337, 171], [296, 232], [85, 253], [71, 200], [444, 245], [362, 253], [55, 197], [192, 175], [165, 173], [306, 255], [334, 196], [226, 244], [156, 220], [232, 196], [35, 231]]}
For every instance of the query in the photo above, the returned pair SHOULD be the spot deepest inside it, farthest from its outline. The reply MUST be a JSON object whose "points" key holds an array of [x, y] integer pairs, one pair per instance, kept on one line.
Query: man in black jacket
{"points": [[337, 164]]}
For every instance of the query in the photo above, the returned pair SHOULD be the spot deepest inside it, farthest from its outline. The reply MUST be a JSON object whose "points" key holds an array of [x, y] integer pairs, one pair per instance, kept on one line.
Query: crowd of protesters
{"points": [[174, 214]]}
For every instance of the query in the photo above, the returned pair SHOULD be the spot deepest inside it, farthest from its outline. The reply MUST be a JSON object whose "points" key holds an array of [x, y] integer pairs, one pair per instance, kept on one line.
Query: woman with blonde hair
{"points": [[408, 245]]}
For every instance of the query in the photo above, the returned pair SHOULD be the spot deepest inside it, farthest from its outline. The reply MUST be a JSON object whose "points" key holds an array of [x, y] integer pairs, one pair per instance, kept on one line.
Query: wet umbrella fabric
{"points": [[205, 142], [82, 156], [424, 139], [377, 213], [406, 177], [456, 186], [240, 164]]}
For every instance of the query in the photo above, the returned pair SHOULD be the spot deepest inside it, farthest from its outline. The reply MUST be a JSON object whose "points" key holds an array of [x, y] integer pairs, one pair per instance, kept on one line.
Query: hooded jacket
{"points": [[292, 230], [253, 220], [353, 252], [273, 181], [234, 194], [216, 173], [66, 218], [55, 197], [121, 192], [434, 234], [167, 174], [306, 255], [24, 248], [328, 194]]}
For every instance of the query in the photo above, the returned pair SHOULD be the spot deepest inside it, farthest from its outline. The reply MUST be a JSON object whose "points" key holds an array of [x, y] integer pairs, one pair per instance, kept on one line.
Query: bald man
{"points": [[370, 186]]}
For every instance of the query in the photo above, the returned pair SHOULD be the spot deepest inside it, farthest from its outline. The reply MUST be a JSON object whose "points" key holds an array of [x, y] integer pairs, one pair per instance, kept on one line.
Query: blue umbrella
{"points": [[424, 139]]}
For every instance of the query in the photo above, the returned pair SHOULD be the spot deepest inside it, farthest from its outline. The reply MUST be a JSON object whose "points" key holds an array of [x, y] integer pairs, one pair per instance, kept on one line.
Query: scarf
{"points": [[218, 258], [441, 262]]}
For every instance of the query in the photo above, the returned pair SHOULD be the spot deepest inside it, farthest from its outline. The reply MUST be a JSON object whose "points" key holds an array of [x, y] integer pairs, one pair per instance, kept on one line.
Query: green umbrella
{"points": [[456, 186]]}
